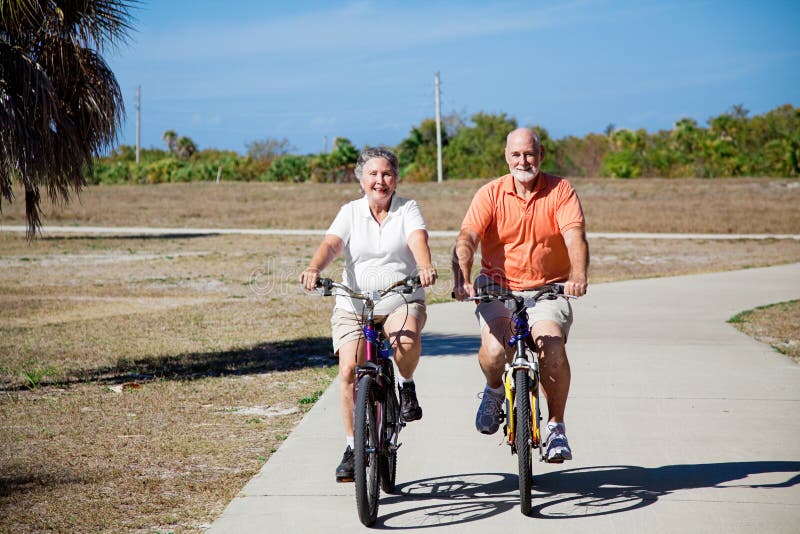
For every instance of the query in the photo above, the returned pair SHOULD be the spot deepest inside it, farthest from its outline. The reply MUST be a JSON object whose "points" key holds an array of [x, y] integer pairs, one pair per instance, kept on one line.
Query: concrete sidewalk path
{"points": [[678, 423]]}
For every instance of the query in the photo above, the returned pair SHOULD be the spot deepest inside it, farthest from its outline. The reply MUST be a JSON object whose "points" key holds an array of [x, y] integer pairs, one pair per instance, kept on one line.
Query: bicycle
{"points": [[523, 416], [377, 418]]}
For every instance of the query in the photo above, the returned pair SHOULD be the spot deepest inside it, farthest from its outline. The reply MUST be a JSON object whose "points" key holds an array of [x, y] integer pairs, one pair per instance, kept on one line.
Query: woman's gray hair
{"points": [[375, 152]]}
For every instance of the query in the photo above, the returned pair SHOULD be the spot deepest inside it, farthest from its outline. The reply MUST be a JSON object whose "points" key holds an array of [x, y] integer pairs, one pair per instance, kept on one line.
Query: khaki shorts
{"points": [[558, 310], [346, 326]]}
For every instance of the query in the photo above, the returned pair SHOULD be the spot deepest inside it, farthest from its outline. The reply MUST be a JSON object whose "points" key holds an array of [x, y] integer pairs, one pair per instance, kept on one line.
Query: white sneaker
{"points": [[557, 446]]}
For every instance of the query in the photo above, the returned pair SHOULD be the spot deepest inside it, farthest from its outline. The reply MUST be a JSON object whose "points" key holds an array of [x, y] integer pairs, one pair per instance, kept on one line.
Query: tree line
{"points": [[61, 106], [732, 144]]}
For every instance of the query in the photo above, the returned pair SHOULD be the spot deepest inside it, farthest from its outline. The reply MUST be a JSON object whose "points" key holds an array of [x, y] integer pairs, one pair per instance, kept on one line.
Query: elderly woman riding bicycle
{"points": [[384, 239]]}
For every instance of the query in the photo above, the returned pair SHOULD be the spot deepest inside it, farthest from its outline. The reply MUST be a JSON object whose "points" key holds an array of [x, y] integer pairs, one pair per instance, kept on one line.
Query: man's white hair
{"points": [[537, 143]]}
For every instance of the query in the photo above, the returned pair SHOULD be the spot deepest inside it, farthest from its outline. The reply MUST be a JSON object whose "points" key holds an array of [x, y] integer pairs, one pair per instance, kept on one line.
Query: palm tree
{"points": [[171, 140], [60, 104], [185, 147]]}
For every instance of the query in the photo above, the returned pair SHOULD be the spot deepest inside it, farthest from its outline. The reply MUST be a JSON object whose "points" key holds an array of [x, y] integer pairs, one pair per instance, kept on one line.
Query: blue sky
{"points": [[227, 73]]}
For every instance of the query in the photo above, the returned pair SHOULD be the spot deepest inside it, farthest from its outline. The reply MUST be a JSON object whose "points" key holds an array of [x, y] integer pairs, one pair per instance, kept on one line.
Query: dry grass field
{"points": [[144, 380], [777, 325], [745, 205]]}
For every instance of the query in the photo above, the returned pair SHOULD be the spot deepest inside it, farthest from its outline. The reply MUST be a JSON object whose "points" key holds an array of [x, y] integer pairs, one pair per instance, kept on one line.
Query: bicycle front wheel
{"points": [[522, 438], [366, 452], [388, 460]]}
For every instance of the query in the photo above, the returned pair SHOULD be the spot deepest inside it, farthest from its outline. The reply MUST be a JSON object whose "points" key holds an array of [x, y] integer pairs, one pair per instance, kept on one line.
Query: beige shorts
{"points": [[558, 310], [346, 326]]}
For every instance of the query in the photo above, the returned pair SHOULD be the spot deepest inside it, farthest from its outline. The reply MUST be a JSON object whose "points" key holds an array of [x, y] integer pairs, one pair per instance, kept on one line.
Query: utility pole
{"points": [[438, 132], [138, 122]]}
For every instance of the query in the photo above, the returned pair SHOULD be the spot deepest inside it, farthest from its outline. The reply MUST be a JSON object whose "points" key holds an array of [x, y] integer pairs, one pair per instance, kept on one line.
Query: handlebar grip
{"points": [[326, 284], [410, 284]]}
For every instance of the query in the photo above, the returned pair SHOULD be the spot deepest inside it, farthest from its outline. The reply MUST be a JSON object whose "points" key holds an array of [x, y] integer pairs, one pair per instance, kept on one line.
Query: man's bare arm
{"points": [[578, 251], [463, 257]]}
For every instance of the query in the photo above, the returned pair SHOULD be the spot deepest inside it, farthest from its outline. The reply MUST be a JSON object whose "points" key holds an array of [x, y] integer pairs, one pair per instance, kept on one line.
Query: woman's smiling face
{"points": [[378, 181]]}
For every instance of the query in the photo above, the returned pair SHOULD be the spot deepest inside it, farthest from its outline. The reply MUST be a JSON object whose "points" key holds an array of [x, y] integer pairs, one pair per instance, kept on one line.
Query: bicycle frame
{"points": [[377, 414], [525, 358], [521, 384], [376, 364], [377, 360]]}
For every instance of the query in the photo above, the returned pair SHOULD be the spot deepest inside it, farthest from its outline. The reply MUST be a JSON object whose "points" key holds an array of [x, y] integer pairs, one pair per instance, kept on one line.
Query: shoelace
{"points": [[495, 403], [556, 439]]}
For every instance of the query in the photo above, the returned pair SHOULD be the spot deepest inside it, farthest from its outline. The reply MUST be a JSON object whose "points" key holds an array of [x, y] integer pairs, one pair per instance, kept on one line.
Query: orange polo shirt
{"points": [[522, 243]]}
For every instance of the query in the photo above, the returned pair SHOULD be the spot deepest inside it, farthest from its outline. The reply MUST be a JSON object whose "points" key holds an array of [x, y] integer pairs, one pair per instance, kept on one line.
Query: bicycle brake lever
{"points": [[327, 286]]}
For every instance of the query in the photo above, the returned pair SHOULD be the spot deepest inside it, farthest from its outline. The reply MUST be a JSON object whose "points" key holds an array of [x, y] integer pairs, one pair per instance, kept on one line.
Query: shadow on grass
{"points": [[576, 493], [262, 358], [11, 485]]}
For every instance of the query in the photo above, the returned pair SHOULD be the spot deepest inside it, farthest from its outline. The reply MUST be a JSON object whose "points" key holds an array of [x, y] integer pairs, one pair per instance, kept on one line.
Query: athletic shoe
{"points": [[345, 472], [409, 406], [557, 446], [490, 412]]}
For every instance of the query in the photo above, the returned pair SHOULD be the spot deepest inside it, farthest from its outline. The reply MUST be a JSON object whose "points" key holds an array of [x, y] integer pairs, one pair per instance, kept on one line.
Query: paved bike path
{"points": [[678, 422]]}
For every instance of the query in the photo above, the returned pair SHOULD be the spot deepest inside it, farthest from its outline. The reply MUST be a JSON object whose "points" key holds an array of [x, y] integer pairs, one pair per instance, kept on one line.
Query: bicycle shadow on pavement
{"points": [[466, 497], [571, 493], [603, 490]]}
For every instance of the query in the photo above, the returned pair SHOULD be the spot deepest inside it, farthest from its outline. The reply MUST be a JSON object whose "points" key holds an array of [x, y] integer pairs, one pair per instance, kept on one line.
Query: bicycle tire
{"points": [[388, 460], [536, 412], [522, 438], [366, 452]]}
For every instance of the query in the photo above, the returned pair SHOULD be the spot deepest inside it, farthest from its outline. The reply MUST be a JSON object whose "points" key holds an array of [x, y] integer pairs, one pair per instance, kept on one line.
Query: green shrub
{"points": [[288, 168], [161, 171], [623, 164]]}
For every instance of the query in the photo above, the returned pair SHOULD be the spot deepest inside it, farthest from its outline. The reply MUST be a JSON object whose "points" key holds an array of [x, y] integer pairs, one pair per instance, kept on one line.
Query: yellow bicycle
{"points": [[521, 381]]}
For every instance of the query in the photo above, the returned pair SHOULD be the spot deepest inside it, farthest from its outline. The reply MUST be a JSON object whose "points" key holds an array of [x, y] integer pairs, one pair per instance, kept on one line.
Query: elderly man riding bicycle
{"points": [[531, 230]]}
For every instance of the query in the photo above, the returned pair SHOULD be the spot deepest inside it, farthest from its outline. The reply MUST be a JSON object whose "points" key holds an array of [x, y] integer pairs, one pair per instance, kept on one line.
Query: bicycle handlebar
{"points": [[407, 285], [546, 292]]}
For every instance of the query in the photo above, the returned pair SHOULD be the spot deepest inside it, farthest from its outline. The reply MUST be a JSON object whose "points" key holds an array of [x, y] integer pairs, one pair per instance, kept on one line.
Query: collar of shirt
{"points": [[510, 189], [364, 211]]}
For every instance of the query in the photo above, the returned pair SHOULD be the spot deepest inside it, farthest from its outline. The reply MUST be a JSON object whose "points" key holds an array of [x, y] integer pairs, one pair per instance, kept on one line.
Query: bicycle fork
{"points": [[531, 368], [388, 428]]}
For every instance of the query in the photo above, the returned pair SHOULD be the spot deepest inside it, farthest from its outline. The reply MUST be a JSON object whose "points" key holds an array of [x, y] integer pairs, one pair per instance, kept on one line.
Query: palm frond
{"points": [[60, 104]]}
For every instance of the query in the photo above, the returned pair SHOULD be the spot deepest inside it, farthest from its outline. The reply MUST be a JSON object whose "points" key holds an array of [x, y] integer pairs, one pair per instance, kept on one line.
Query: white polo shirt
{"points": [[377, 255]]}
